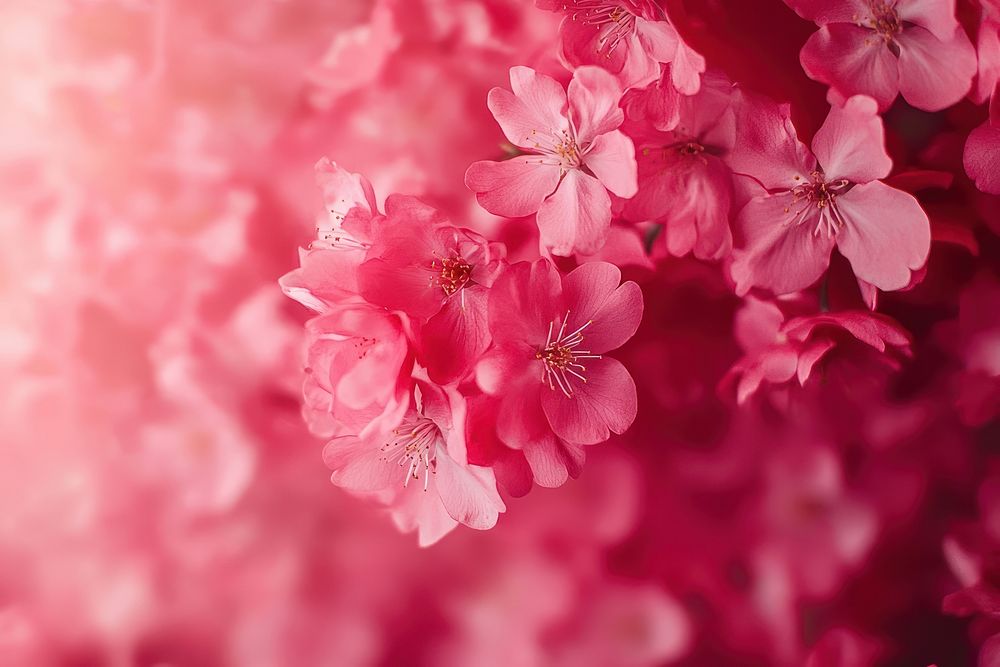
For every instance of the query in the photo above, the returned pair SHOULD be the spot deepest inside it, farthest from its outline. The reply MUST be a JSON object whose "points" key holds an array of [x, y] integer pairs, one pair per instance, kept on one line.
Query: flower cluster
{"points": [[691, 309]]}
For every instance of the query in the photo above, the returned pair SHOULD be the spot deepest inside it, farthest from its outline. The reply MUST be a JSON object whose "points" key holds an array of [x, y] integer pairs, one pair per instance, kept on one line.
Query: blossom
{"points": [[881, 48], [575, 156], [778, 351], [417, 464], [814, 201], [358, 368], [549, 364], [629, 38], [327, 274], [684, 182], [437, 274]]}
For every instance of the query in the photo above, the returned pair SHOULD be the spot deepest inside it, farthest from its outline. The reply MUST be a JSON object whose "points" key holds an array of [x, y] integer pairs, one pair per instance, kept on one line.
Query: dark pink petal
{"points": [[853, 61], [825, 11], [454, 339], [611, 157], [503, 367], [934, 73], [767, 148], [553, 462], [810, 355], [593, 293], [513, 188], [523, 301], [779, 254], [887, 234], [982, 157], [577, 216], [661, 40], [468, 493], [537, 106], [520, 420], [851, 143], [606, 403], [404, 288], [593, 103]]}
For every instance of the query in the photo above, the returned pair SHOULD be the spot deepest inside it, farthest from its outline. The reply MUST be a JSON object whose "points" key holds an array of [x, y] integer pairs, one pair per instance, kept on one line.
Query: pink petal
{"points": [[513, 188], [887, 234], [358, 465], [593, 293], [553, 462], [407, 289], [612, 159], [577, 216], [853, 61], [982, 157], [468, 493], [520, 420], [767, 148], [779, 255], [824, 11], [937, 16], [593, 103], [934, 73], [343, 190], [523, 301], [454, 339], [605, 403], [851, 143], [537, 106]]}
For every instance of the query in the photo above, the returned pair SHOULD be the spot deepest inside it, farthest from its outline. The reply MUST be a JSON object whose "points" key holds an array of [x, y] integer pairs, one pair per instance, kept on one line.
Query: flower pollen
{"points": [[561, 357], [414, 445]]}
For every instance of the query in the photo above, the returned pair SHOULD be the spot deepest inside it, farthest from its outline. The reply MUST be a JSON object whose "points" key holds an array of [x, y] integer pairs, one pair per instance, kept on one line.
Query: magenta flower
{"points": [[881, 48], [549, 364], [629, 38], [815, 201], [575, 156], [438, 275], [417, 466]]}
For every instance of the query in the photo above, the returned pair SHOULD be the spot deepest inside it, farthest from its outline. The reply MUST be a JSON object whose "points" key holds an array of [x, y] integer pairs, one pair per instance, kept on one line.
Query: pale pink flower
{"points": [[549, 364], [437, 274], [684, 183], [815, 201], [881, 48], [629, 38], [417, 465], [575, 156], [328, 267]]}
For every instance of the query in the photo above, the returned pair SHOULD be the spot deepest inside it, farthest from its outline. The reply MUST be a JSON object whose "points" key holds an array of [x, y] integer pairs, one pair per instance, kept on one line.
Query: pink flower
{"points": [[417, 465], [358, 368], [549, 366], [815, 201], [629, 38], [328, 268], [684, 183], [982, 151], [575, 156], [778, 351], [438, 275], [881, 48]]}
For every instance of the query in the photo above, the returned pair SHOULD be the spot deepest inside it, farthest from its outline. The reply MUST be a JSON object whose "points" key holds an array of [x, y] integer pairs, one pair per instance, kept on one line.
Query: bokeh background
{"points": [[162, 503]]}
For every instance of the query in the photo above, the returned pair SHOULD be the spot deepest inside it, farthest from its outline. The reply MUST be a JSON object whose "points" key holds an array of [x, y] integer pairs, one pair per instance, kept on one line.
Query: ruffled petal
{"points": [[853, 61], [605, 403], [577, 216], [934, 73], [851, 143], [513, 188]]}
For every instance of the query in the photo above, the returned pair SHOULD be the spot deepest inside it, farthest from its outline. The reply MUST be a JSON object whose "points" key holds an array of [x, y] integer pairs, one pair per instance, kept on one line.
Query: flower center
{"points": [[819, 195], [414, 445], [561, 356], [452, 273], [615, 22], [690, 149], [884, 20]]}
